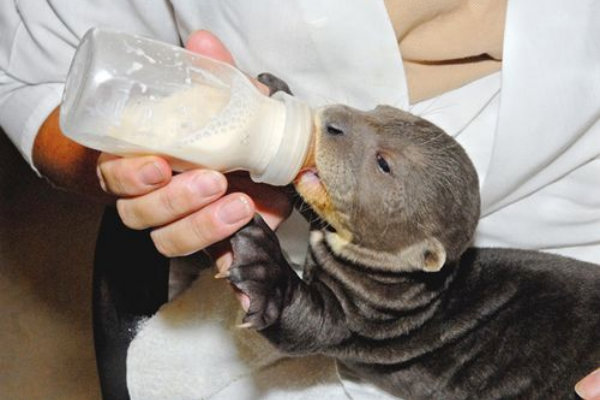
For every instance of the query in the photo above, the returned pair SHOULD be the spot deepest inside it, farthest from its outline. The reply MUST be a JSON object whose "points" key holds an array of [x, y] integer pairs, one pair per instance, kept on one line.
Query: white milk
{"points": [[130, 95]]}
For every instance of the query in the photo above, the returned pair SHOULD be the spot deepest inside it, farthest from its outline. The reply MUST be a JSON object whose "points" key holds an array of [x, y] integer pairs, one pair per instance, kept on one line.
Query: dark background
{"points": [[47, 239]]}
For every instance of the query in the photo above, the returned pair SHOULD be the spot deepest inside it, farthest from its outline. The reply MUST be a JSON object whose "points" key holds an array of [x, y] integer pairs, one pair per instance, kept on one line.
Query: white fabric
{"points": [[542, 188], [198, 352], [532, 131], [37, 42]]}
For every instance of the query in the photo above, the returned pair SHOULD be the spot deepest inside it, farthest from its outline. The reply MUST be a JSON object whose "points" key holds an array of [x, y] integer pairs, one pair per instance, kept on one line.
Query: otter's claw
{"points": [[245, 325], [261, 272], [222, 274]]}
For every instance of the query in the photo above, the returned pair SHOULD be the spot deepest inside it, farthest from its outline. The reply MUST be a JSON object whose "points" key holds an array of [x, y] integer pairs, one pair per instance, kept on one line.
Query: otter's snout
{"points": [[336, 121]]}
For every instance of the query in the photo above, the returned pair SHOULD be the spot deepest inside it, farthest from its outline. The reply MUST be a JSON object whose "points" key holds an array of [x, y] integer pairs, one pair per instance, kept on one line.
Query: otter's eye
{"points": [[383, 164], [334, 130]]}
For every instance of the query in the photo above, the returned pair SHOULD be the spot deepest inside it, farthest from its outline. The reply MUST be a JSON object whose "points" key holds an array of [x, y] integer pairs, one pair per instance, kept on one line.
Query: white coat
{"points": [[532, 130]]}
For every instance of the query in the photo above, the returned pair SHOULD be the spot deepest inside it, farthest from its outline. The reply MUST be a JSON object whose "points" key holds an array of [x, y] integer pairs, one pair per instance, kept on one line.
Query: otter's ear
{"points": [[428, 255]]}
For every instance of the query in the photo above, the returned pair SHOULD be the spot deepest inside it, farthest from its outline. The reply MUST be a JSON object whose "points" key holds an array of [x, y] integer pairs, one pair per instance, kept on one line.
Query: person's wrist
{"points": [[65, 163]]}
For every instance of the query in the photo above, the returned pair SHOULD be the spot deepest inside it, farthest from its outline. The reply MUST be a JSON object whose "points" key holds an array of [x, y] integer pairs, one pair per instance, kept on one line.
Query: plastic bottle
{"points": [[130, 95]]}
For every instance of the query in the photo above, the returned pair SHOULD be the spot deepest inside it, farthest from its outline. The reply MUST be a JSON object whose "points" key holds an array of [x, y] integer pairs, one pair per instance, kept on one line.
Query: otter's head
{"points": [[399, 193]]}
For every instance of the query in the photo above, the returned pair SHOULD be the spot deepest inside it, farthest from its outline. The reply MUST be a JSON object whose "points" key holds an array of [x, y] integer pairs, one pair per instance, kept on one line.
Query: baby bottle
{"points": [[130, 95]]}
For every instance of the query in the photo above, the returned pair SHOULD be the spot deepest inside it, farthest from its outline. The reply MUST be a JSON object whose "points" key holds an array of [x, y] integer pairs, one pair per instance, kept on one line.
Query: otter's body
{"points": [[498, 324], [390, 287]]}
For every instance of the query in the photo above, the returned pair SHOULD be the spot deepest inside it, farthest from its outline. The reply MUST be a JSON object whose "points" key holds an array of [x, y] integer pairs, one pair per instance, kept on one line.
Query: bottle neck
{"points": [[293, 143]]}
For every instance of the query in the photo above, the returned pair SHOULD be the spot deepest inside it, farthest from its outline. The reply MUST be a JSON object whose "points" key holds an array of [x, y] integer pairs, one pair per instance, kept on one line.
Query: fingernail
{"points": [[151, 174], [210, 183], [235, 210], [101, 179], [589, 387]]}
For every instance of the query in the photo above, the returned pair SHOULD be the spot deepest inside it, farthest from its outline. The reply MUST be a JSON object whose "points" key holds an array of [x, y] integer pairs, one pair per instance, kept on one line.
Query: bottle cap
{"points": [[294, 144]]}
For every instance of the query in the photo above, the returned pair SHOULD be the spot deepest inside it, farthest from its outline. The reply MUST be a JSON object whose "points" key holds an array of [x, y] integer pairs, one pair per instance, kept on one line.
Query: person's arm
{"points": [[186, 212], [64, 163]]}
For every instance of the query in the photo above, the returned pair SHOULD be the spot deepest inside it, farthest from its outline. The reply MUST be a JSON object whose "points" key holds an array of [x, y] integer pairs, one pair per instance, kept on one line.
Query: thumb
{"points": [[205, 43]]}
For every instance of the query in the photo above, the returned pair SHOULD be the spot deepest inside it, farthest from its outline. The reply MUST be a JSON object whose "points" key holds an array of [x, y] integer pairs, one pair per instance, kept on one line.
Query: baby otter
{"points": [[390, 287]]}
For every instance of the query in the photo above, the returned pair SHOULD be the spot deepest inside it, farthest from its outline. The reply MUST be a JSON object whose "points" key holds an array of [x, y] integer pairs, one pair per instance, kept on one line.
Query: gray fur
{"points": [[490, 324]]}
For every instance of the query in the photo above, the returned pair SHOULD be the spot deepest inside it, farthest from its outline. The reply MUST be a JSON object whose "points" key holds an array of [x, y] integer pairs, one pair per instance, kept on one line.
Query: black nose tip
{"points": [[334, 130]]}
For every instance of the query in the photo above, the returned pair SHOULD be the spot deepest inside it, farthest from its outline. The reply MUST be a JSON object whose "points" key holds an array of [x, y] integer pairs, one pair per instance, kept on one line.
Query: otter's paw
{"points": [[273, 83], [261, 272]]}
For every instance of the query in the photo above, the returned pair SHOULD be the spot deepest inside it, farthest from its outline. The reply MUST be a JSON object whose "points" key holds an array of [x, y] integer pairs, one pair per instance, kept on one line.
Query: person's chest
{"points": [[447, 43]]}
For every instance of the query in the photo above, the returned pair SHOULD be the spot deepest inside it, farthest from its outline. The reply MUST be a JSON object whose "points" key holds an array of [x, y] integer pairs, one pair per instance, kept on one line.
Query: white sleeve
{"points": [[37, 42]]}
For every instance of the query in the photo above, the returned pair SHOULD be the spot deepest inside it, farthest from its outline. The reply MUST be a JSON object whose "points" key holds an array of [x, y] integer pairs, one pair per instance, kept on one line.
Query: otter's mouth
{"points": [[313, 201], [308, 176]]}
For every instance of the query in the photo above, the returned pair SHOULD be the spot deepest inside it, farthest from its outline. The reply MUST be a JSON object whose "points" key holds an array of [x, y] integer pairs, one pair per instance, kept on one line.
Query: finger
{"points": [[205, 227], [205, 43], [133, 176], [589, 387], [273, 203], [223, 256], [185, 194]]}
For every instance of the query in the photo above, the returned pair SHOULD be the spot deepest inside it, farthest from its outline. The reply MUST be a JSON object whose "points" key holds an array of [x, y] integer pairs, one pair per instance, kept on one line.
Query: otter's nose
{"points": [[334, 130]]}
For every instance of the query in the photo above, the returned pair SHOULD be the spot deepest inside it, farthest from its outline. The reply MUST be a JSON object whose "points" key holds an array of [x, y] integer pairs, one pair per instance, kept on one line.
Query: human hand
{"points": [[589, 387], [190, 211]]}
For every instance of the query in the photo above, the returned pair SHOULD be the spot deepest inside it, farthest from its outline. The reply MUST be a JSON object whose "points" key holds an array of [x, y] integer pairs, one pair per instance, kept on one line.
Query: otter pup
{"points": [[390, 287]]}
